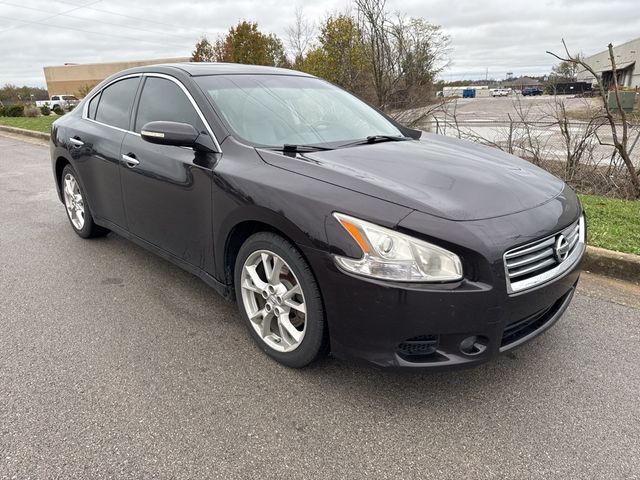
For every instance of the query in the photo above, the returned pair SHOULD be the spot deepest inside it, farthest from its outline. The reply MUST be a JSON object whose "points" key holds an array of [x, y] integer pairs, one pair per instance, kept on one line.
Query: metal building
{"points": [[70, 79], [627, 58]]}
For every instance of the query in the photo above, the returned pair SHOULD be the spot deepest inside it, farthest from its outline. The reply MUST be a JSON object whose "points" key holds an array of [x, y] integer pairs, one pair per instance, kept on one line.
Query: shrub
{"points": [[45, 110], [31, 111], [2, 111], [14, 111]]}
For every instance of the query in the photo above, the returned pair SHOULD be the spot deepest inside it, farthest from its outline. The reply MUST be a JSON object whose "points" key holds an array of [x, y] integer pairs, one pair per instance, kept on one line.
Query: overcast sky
{"points": [[501, 36]]}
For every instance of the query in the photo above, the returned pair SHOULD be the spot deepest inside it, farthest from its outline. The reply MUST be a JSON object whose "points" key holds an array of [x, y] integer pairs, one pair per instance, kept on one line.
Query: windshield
{"points": [[274, 110], [69, 97]]}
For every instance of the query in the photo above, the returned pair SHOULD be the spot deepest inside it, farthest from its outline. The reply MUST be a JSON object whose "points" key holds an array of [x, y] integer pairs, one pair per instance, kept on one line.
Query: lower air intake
{"points": [[420, 346]]}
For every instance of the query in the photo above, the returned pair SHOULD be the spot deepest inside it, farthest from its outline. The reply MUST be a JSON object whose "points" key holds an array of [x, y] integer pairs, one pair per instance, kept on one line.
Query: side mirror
{"points": [[170, 133]]}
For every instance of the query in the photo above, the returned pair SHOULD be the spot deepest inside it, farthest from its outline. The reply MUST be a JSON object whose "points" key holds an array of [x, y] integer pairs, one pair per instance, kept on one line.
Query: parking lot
{"points": [[116, 364], [500, 109], [530, 126]]}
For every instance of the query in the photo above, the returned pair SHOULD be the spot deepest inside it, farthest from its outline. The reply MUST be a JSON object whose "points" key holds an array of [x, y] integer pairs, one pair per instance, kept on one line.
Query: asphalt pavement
{"points": [[116, 364]]}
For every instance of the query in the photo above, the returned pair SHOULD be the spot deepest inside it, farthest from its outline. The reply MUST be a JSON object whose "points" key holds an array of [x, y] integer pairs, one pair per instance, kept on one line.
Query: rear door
{"points": [[96, 148], [167, 189]]}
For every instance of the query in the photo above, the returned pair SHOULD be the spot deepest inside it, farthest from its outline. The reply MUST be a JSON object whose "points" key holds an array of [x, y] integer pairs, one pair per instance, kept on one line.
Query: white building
{"points": [[627, 58], [481, 91]]}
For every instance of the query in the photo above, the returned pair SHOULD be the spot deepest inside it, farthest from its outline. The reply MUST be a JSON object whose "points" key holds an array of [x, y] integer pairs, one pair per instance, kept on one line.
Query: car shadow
{"points": [[186, 298]]}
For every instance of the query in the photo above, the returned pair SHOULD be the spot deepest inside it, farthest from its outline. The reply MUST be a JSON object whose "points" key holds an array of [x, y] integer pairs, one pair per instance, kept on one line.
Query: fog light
{"points": [[474, 345]]}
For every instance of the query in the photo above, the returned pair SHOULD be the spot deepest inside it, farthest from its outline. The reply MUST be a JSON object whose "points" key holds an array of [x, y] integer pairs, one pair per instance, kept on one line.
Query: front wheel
{"points": [[279, 300]]}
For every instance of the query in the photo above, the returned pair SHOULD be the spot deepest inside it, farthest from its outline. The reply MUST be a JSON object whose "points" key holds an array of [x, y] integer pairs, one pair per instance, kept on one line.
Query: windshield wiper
{"points": [[293, 148], [375, 139]]}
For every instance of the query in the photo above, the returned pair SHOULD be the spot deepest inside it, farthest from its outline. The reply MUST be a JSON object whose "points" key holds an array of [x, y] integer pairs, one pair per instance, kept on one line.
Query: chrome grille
{"points": [[545, 259]]}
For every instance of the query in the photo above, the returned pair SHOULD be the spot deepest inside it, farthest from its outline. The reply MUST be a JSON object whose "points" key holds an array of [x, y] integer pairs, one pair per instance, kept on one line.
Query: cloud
{"points": [[498, 36]]}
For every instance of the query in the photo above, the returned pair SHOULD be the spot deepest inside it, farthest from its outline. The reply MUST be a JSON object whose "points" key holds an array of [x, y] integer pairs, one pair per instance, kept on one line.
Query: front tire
{"points": [[279, 300], [77, 208]]}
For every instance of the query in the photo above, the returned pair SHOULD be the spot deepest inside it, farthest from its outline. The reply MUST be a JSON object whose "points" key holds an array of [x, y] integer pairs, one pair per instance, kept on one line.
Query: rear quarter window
{"points": [[93, 107], [114, 108]]}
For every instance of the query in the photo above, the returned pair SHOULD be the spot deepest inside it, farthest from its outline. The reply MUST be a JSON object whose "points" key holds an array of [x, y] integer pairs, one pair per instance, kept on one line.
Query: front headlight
{"points": [[390, 255]]}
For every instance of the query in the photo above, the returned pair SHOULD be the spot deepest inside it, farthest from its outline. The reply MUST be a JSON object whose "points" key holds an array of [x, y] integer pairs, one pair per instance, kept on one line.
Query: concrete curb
{"points": [[25, 132], [623, 266]]}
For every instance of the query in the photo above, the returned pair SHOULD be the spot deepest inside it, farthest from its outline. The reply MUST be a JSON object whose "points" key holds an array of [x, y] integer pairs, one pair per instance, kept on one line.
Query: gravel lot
{"points": [[116, 364]]}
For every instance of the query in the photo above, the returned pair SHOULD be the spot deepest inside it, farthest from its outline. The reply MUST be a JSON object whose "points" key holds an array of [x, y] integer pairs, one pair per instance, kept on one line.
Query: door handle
{"points": [[130, 160], [76, 141]]}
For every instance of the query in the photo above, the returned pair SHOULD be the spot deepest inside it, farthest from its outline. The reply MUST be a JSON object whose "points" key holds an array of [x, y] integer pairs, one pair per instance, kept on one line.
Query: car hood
{"points": [[438, 175]]}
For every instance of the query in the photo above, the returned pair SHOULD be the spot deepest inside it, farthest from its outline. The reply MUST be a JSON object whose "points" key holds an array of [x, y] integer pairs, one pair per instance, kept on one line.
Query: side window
{"points": [[93, 106], [55, 97], [115, 103], [161, 99]]}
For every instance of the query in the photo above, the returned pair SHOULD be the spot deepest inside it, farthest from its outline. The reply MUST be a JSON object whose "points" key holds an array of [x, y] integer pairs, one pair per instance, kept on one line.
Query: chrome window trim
{"points": [[555, 272], [85, 108], [112, 127], [87, 101]]}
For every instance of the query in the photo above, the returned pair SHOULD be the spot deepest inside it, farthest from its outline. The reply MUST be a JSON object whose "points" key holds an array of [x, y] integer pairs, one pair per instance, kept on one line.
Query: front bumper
{"points": [[398, 325]]}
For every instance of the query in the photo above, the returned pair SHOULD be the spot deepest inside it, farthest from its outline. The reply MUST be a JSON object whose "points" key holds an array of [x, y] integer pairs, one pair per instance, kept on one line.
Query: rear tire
{"points": [[78, 211], [279, 300]]}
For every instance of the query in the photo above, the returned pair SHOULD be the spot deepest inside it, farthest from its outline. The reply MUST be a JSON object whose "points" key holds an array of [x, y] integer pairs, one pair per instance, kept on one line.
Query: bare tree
{"points": [[417, 117], [376, 28], [620, 139], [422, 52], [405, 53], [299, 36], [579, 138], [532, 142]]}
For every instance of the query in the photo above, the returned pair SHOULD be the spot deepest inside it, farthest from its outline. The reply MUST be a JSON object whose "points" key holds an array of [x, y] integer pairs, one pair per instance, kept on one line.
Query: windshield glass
{"points": [[69, 97], [274, 110]]}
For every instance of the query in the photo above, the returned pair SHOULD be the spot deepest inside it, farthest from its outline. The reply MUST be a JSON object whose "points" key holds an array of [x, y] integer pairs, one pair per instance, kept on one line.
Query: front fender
{"points": [[252, 214], [248, 189]]}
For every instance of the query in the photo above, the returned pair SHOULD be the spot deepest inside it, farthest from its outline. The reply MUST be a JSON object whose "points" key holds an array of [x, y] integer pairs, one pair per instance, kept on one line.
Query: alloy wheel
{"points": [[274, 301], [73, 201]]}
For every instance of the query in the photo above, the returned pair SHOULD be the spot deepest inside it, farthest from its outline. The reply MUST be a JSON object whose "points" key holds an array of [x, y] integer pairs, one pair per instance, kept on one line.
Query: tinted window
{"points": [[162, 99], [115, 103], [93, 106]]}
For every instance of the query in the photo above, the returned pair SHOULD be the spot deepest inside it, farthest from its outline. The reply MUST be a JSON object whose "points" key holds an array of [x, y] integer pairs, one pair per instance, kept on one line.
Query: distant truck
{"points": [[62, 102], [531, 91], [501, 92]]}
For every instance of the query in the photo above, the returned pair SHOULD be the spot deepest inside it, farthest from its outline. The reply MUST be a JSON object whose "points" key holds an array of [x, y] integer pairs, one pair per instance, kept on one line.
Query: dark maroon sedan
{"points": [[333, 227]]}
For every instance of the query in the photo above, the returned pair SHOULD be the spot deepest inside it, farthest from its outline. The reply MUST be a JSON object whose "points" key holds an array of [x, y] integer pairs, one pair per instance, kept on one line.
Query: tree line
{"points": [[11, 94], [388, 59]]}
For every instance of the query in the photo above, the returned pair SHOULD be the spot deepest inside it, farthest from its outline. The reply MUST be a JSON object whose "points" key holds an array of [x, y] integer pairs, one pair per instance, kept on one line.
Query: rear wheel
{"points": [[279, 300], [77, 208]]}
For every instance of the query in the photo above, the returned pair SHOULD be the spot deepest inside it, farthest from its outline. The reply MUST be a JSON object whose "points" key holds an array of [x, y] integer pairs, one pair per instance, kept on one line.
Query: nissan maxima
{"points": [[334, 228]]}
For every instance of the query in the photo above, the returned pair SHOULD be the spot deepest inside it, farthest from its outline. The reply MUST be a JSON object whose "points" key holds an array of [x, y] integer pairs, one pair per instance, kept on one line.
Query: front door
{"points": [[166, 189]]}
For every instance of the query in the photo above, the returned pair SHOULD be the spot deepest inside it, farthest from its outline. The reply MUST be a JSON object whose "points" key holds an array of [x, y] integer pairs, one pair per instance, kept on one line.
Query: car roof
{"points": [[195, 69]]}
